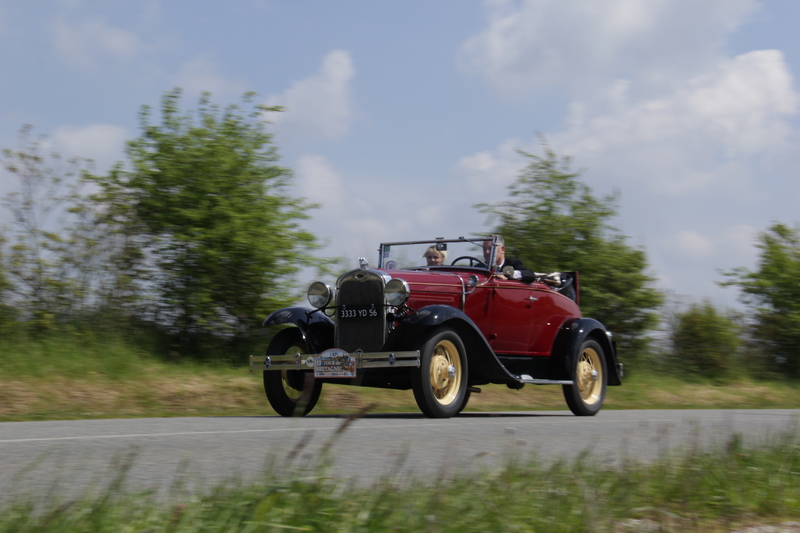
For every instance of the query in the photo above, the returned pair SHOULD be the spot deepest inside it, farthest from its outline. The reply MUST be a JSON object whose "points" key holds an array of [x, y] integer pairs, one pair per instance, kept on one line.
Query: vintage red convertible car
{"points": [[441, 330]]}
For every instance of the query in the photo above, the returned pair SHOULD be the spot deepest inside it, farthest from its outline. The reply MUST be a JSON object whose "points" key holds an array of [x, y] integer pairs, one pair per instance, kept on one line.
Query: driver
{"points": [[520, 272]]}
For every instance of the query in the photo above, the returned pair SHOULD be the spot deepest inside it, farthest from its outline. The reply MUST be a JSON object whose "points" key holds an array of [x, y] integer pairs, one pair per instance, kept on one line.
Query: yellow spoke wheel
{"points": [[588, 373], [446, 372], [440, 384], [589, 376]]}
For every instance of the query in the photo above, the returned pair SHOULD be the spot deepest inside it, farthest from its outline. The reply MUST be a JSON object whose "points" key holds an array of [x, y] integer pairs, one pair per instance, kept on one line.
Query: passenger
{"points": [[435, 257], [520, 272]]}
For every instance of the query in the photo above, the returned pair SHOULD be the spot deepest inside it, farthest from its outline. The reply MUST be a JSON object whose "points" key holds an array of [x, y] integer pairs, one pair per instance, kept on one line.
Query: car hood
{"points": [[442, 280]]}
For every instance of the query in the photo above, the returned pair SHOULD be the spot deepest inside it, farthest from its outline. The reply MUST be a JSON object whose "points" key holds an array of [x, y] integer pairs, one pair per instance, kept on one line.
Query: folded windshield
{"points": [[433, 253]]}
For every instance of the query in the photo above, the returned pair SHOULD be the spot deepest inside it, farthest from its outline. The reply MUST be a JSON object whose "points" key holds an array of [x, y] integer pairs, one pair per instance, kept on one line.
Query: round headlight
{"points": [[397, 292], [319, 294]]}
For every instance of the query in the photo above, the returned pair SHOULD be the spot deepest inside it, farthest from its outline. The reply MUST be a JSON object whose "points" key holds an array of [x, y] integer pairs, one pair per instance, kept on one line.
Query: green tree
{"points": [[42, 271], [203, 219], [554, 222], [773, 293], [705, 341], [6, 311]]}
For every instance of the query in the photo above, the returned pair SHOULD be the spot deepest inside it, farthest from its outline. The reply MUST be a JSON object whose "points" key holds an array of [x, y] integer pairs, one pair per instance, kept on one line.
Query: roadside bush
{"points": [[706, 342]]}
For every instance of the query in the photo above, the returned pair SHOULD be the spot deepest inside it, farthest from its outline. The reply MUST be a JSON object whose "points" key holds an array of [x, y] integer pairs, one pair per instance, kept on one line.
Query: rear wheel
{"points": [[440, 384], [588, 373], [290, 392]]}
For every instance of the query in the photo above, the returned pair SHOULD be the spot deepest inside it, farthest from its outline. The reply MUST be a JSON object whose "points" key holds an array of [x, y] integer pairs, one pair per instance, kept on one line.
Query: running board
{"points": [[525, 378]]}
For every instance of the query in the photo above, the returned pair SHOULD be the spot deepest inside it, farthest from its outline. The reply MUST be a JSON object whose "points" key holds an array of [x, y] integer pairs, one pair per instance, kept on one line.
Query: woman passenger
{"points": [[435, 257]]}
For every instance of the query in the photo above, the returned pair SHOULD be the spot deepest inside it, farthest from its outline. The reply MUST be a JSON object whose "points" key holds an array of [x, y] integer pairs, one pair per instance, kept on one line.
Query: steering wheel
{"points": [[473, 261]]}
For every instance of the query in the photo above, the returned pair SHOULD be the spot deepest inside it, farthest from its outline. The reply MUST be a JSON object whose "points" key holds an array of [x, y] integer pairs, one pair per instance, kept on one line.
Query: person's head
{"points": [[500, 250], [435, 257]]}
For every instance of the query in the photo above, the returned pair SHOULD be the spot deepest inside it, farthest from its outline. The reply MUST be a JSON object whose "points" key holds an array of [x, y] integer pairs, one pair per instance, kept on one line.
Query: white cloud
{"points": [[102, 143], [200, 75], [322, 104], [319, 182], [493, 170], [745, 101], [91, 43], [357, 213], [690, 244], [535, 44], [699, 136], [699, 131]]}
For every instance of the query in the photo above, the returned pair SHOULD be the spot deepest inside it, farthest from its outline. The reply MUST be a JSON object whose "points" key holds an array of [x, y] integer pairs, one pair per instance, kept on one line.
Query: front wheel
{"points": [[290, 392], [589, 378], [465, 402], [440, 384]]}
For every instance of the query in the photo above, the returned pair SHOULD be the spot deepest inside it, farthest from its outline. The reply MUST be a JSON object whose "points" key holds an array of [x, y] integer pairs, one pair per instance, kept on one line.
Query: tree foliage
{"points": [[705, 341], [196, 233], [42, 262], [553, 222], [7, 312], [773, 293], [206, 231]]}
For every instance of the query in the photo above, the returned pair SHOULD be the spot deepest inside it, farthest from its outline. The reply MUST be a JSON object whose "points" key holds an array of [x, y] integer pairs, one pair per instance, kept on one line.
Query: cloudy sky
{"points": [[403, 115]]}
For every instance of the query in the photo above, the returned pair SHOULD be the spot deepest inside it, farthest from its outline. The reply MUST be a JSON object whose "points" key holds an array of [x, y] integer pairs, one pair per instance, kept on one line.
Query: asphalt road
{"points": [[66, 457]]}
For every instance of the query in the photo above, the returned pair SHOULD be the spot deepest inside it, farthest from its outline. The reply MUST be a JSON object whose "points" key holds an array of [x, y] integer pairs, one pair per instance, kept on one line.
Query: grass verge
{"points": [[726, 489], [76, 378]]}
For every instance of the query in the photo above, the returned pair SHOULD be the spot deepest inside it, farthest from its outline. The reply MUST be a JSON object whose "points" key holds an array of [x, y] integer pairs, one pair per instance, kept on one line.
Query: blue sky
{"points": [[403, 115]]}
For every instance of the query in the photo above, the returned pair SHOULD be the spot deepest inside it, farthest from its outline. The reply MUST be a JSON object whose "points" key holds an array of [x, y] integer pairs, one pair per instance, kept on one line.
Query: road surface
{"points": [[66, 457]]}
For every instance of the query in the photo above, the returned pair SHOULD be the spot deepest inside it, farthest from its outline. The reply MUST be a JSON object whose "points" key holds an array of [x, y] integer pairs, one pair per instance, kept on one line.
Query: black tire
{"points": [[290, 392], [465, 402], [589, 377], [440, 384]]}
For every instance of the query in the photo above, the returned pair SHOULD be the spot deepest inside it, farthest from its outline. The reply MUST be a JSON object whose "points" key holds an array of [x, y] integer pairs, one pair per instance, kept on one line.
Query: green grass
{"points": [[713, 490], [698, 490], [83, 377]]}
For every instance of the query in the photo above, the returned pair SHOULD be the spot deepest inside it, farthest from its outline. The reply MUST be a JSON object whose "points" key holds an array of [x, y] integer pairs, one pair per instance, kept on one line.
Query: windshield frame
{"points": [[383, 250]]}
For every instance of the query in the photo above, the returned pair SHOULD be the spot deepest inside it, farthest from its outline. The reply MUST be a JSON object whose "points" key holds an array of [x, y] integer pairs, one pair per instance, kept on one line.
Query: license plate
{"points": [[334, 363], [358, 312]]}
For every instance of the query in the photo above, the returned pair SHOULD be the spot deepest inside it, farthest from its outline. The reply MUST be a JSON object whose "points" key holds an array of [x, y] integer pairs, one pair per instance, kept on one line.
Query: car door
{"points": [[478, 306], [514, 312], [526, 318]]}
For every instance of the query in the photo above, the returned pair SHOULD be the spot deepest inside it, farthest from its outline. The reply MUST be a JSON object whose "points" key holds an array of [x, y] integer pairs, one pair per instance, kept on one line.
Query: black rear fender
{"points": [[569, 339]]}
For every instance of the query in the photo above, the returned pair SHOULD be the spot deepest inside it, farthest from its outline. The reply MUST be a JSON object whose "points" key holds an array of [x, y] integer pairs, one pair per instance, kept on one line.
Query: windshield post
{"points": [[492, 266]]}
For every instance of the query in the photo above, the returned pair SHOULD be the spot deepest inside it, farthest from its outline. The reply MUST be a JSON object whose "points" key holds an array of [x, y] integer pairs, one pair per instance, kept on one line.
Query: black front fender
{"points": [[316, 327]]}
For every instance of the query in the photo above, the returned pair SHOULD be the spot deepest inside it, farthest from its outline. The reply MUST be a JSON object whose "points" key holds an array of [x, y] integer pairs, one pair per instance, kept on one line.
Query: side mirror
{"points": [[508, 271]]}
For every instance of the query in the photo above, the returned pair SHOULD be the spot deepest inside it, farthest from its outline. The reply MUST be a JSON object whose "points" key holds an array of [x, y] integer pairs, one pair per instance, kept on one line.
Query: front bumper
{"points": [[314, 362]]}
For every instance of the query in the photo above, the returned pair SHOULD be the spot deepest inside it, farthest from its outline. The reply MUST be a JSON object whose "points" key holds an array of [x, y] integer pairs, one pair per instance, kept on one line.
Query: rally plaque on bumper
{"points": [[334, 363]]}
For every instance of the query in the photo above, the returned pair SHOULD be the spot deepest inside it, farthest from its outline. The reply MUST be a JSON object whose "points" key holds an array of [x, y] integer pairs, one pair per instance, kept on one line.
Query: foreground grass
{"points": [[77, 378], [725, 489]]}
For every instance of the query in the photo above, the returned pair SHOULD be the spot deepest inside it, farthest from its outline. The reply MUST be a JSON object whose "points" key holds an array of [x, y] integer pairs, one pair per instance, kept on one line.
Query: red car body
{"points": [[515, 318], [441, 331]]}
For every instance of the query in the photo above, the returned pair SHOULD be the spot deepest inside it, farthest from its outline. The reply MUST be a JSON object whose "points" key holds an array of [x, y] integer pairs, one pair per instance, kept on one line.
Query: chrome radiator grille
{"points": [[361, 314]]}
